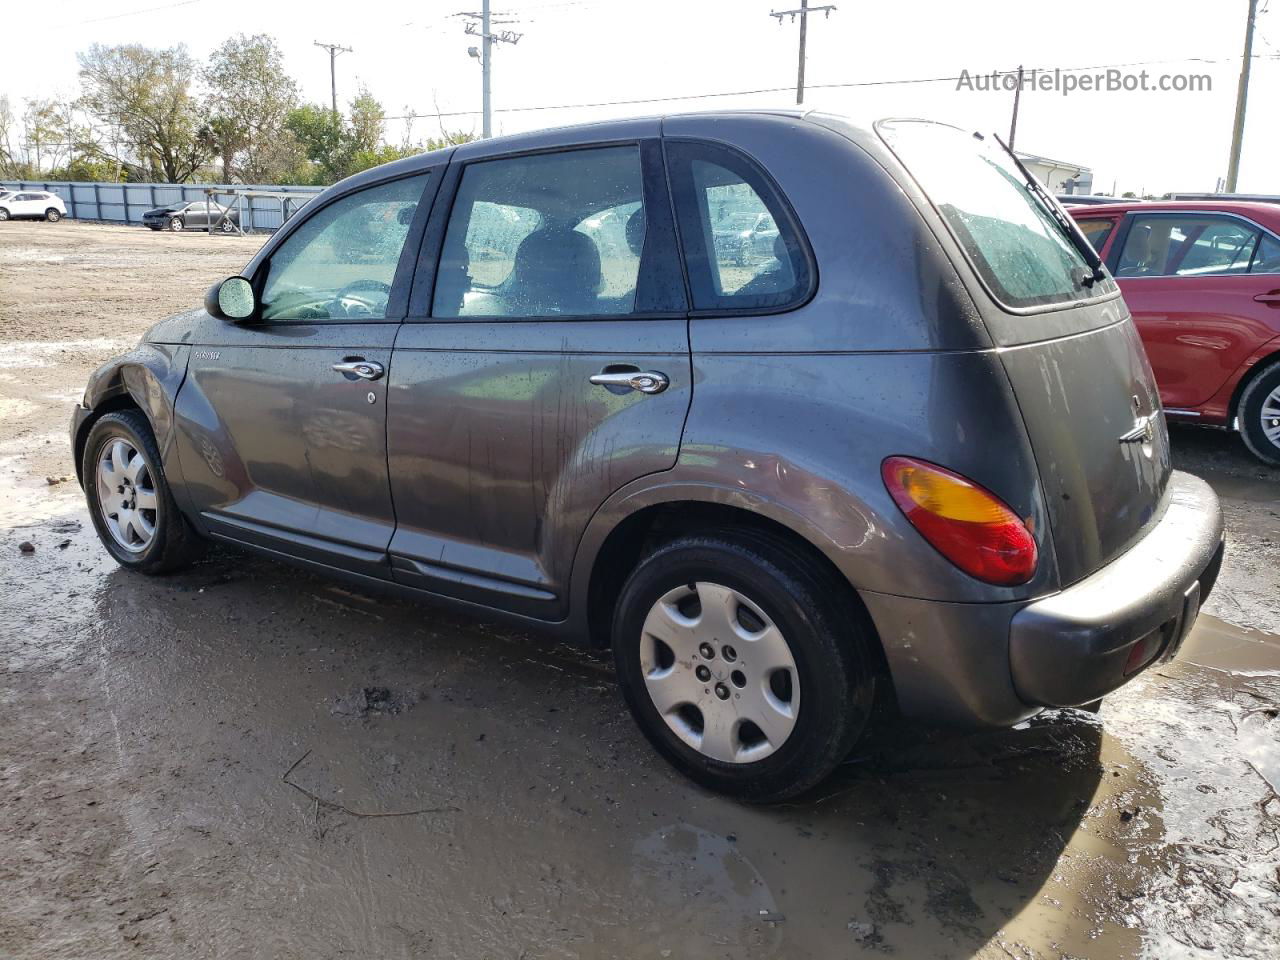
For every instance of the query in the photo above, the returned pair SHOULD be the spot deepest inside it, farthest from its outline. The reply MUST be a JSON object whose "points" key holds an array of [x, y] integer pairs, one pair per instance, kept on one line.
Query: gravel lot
{"points": [[248, 761]]}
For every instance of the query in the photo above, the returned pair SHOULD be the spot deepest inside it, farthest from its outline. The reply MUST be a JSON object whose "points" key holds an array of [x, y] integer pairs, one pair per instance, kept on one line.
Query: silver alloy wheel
{"points": [[1271, 417], [127, 495], [719, 672]]}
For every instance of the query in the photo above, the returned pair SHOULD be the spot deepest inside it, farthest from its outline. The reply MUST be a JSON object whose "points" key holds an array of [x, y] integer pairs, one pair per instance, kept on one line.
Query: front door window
{"points": [[341, 263]]}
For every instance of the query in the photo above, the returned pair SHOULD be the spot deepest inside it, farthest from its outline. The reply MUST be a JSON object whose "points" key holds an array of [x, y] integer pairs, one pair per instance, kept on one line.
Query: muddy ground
{"points": [[248, 761]]}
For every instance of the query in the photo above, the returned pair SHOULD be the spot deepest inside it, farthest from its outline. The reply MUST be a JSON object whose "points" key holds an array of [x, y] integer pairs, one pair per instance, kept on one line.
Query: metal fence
{"points": [[127, 202]]}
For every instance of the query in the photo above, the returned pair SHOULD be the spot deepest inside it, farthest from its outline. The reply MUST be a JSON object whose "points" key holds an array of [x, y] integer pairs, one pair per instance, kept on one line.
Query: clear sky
{"points": [[413, 57]]}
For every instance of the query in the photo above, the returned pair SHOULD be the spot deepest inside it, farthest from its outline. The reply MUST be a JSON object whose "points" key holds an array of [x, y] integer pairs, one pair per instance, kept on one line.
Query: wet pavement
{"points": [[246, 760]]}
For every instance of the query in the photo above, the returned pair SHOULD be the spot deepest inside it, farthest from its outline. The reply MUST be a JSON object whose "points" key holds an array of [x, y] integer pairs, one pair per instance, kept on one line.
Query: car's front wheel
{"points": [[175, 224], [228, 227], [129, 498], [744, 664], [53, 215], [4, 214], [1259, 415]]}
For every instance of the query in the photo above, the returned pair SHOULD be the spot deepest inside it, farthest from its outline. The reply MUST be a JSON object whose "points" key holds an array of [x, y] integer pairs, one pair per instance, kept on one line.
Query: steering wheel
{"points": [[346, 294]]}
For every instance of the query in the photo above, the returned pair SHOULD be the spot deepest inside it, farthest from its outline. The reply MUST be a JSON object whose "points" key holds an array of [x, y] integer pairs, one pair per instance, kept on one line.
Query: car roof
{"points": [[601, 131], [1255, 210]]}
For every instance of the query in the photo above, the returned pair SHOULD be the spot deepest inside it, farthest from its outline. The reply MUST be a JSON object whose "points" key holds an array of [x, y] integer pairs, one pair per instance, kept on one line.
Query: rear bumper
{"points": [[997, 663], [1075, 646]]}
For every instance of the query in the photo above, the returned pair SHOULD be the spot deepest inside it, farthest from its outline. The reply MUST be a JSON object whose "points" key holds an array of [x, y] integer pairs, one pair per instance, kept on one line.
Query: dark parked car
{"points": [[745, 236], [916, 455], [1085, 199], [193, 215], [1203, 282]]}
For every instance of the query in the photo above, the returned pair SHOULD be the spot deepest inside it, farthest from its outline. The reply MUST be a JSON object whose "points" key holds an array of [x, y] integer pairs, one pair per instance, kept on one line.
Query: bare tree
{"points": [[9, 160]]}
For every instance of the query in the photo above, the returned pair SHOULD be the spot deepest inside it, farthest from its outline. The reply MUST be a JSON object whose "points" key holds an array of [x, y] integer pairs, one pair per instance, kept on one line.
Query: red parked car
{"points": [[1202, 279]]}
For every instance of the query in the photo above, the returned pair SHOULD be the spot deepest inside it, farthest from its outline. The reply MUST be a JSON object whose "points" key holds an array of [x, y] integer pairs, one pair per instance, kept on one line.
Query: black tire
{"points": [[4, 214], [175, 544], [176, 224], [826, 631], [1249, 412], [52, 215]]}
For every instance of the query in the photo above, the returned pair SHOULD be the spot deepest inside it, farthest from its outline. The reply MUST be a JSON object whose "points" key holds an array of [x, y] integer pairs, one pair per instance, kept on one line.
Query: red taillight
{"points": [[967, 524]]}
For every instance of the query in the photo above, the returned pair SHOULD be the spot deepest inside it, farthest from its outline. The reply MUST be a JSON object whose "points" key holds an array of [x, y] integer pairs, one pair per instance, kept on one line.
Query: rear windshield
{"points": [[1011, 239]]}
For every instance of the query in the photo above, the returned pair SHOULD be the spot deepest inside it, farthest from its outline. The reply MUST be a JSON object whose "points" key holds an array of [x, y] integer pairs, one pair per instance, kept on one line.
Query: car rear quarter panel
{"points": [[793, 414]]}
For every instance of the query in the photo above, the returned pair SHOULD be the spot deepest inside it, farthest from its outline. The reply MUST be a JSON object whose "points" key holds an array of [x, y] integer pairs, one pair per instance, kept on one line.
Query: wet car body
{"points": [[488, 470]]}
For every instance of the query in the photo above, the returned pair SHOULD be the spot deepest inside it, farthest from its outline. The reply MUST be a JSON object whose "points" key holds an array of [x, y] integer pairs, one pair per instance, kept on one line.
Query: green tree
{"points": [[249, 100], [319, 135], [337, 147], [147, 96]]}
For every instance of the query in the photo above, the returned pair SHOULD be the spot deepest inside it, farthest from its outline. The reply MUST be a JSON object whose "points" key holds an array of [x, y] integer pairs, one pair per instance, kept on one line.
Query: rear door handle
{"points": [[364, 369], [646, 381], [1272, 297]]}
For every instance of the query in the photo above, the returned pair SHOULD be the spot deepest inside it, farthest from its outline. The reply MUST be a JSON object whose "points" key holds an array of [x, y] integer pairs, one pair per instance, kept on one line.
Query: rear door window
{"points": [[547, 235], [741, 245], [1009, 236], [1187, 245], [1267, 257]]}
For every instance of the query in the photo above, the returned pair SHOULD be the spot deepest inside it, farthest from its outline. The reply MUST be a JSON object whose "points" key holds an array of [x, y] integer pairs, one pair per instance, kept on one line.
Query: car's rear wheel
{"points": [[129, 498], [53, 215], [1259, 415], [4, 214], [744, 664], [175, 224]]}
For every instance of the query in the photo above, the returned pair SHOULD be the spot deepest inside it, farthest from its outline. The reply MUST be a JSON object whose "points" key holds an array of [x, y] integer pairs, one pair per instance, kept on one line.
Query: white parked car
{"points": [[32, 203]]}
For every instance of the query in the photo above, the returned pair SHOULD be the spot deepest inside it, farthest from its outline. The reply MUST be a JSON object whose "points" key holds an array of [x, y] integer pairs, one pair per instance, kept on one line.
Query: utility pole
{"points": [[1017, 96], [802, 12], [334, 49], [481, 25], [1242, 97]]}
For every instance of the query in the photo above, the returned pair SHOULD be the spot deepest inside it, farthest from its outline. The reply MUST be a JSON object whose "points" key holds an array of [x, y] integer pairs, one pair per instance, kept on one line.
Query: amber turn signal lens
{"points": [[967, 524]]}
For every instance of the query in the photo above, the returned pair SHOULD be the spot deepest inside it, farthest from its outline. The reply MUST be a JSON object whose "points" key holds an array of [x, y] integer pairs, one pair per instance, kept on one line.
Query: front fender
{"points": [[148, 377]]}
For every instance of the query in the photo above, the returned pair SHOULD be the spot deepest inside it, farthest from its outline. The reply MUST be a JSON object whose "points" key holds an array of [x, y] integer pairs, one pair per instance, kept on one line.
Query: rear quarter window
{"points": [[743, 247], [1007, 234]]}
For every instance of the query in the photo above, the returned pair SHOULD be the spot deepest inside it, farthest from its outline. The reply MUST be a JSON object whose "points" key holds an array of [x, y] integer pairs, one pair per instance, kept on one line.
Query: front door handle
{"points": [[1272, 297], [646, 381], [364, 369]]}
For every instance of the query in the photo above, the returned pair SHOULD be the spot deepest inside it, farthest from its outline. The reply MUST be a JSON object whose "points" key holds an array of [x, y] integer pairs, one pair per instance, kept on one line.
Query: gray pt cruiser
{"points": [[911, 453]]}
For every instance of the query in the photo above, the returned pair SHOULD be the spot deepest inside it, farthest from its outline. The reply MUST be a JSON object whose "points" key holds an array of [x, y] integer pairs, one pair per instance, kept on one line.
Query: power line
{"points": [[128, 13], [813, 86], [482, 25], [802, 12], [1242, 97], [334, 51]]}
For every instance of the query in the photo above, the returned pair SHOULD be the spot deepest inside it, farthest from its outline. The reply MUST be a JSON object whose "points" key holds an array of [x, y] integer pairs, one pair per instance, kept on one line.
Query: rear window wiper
{"points": [[1064, 222]]}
